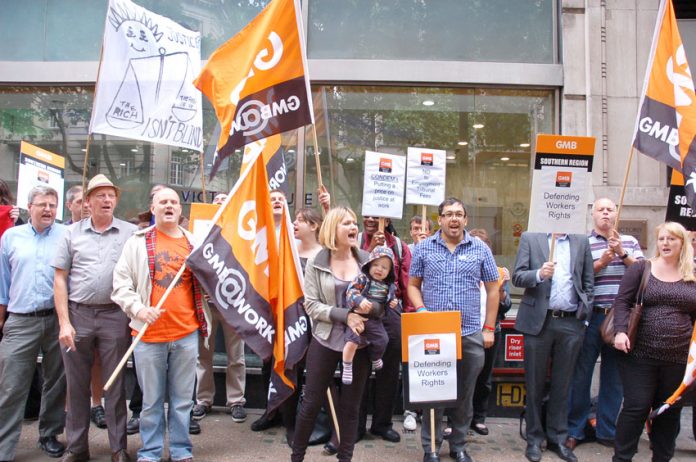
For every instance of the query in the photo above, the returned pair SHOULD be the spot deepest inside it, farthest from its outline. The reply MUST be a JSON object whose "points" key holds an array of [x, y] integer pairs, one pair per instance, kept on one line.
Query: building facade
{"points": [[477, 79]]}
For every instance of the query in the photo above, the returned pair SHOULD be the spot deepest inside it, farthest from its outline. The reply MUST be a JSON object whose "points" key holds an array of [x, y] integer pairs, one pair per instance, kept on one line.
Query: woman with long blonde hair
{"points": [[653, 368]]}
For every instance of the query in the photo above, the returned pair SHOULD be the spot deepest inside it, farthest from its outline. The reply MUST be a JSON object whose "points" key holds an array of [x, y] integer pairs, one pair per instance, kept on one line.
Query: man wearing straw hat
{"points": [[170, 321], [89, 321]]}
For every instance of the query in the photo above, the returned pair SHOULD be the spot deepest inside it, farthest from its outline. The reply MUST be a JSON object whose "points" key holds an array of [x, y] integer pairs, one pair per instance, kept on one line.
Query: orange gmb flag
{"points": [[292, 338], [666, 124], [257, 81], [237, 262], [273, 155], [687, 381]]}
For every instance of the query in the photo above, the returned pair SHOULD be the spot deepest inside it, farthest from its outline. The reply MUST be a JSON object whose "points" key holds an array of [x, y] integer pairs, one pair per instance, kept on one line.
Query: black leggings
{"points": [[321, 366], [646, 384]]}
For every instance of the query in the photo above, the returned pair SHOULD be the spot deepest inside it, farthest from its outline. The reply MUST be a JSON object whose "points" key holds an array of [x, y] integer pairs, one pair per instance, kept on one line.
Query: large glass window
{"points": [[492, 30], [72, 30], [57, 119], [487, 134]]}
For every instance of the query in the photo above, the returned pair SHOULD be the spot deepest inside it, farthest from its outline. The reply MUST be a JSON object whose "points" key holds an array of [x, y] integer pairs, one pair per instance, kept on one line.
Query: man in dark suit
{"points": [[556, 304]]}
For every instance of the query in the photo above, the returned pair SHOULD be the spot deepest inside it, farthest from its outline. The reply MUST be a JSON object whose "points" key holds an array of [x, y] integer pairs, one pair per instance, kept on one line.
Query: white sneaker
{"points": [[410, 421]]}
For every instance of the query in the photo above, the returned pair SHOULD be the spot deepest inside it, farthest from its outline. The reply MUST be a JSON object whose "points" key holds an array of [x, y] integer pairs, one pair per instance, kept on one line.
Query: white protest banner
{"points": [[432, 367], [145, 89], [383, 194], [561, 184], [38, 167], [425, 176], [430, 351]]}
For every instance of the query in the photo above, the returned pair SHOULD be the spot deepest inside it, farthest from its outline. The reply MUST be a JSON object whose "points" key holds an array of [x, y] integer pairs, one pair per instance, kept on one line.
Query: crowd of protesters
{"points": [[78, 292]]}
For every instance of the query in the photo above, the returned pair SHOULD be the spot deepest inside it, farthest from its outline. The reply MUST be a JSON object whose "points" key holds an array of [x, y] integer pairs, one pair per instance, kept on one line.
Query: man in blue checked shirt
{"points": [[26, 293], [446, 270]]}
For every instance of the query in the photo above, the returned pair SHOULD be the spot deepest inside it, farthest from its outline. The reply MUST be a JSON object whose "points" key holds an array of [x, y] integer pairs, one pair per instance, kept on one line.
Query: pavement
{"points": [[222, 439]]}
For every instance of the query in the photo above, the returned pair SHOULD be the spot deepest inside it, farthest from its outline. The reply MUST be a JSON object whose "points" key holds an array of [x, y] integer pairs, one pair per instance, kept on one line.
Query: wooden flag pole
{"points": [[380, 226], [333, 414], [85, 164], [201, 158], [424, 217], [320, 183], [432, 431], [553, 247], [619, 207], [142, 331]]}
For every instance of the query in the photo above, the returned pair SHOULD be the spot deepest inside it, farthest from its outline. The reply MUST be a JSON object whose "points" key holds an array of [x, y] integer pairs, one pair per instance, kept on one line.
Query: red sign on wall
{"points": [[514, 347]]}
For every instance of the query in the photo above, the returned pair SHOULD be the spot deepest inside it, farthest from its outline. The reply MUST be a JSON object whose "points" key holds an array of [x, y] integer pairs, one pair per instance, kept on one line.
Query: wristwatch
{"points": [[624, 256]]}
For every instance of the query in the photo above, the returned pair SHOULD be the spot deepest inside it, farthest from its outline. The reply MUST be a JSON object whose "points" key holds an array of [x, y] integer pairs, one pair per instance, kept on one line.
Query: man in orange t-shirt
{"points": [[166, 355]]}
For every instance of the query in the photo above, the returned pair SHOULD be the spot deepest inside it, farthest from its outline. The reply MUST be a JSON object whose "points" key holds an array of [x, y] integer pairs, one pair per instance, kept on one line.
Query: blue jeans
{"points": [[610, 389], [162, 367]]}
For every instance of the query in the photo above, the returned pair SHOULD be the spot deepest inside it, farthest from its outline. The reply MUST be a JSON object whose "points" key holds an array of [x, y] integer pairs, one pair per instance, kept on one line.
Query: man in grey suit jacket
{"points": [[557, 302]]}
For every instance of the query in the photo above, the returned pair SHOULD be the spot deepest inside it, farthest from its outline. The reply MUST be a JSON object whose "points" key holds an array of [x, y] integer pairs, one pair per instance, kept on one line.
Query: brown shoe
{"points": [[120, 456], [571, 443], [75, 457]]}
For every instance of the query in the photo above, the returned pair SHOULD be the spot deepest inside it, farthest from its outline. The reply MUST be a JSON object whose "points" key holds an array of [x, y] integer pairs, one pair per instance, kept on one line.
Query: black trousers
{"points": [[484, 383], [136, 397], [321, 366], [386, 379], [646, 384]]}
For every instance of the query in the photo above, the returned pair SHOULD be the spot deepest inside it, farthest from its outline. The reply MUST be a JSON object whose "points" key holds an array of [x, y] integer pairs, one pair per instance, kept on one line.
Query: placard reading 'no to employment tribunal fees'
{"points": [[560, 186], [425, 179]]}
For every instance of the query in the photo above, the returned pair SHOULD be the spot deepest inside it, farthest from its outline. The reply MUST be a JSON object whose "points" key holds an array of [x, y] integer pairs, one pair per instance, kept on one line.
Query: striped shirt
{"points": [[607, 280], [450, 280]]}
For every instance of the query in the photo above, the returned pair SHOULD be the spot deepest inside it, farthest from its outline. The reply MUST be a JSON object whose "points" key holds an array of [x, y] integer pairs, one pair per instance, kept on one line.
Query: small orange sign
{"points": [[427, 158], [559, 144], [563, 179], [385, 165], [431, 346], [430, 322]]}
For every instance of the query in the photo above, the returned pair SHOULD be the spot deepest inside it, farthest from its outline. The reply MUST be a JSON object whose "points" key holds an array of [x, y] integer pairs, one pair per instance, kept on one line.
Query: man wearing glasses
{"points": [[89, 321], [446, 271], [26, 292]]}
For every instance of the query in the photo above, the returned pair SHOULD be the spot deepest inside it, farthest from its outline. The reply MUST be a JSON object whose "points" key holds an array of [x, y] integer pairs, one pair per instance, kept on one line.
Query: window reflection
{"points": [[487, 134]]}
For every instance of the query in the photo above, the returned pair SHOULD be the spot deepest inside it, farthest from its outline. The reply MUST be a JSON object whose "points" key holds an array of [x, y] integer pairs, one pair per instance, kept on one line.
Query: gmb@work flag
{"points": [[144, 88], [273, 156], [292, 339], [666, 124], [257, 81], [237, 263], [688, 380]]}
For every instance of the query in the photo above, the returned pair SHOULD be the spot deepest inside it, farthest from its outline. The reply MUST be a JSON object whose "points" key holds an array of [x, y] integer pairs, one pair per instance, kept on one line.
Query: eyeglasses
{"points": [[450, 215], [43, 205]]}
